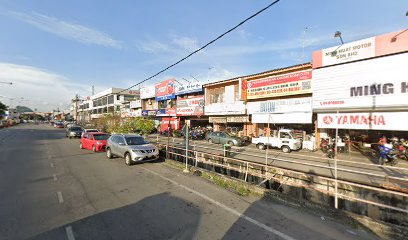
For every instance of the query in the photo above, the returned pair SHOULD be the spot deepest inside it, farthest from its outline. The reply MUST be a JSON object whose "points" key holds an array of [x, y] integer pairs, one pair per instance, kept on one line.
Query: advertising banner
{"points": [[149, 113], [174, 123], [281, 85], [190, 106], [148, 92], [378, 83], [165, 90], [190, 88], [395, 121], [281, 106]]}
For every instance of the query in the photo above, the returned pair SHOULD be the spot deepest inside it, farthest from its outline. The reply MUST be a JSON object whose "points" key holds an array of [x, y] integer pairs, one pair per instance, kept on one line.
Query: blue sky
{"points": [[52, 50]]}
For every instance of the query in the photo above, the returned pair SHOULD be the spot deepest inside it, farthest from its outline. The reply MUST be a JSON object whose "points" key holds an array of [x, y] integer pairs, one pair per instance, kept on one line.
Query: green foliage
{"points": [[3, 108], [115, 124], [176, 133]]}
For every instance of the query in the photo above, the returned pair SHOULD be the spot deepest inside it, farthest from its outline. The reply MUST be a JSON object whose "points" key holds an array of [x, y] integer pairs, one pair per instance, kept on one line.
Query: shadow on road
{"points": [[161, 216]]}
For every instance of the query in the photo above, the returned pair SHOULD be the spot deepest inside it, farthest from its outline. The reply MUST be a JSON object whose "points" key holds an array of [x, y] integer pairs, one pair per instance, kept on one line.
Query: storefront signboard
{"points": [[281, 85], [234, 108], [281, 106], [217, 119], [190, 88], [283, 118], [136, 104], [378, 83], [165, 90], [394, 121], [166, 112], [238, 119], [149, 113], [190, 106], [148, 92], [386, 44]]}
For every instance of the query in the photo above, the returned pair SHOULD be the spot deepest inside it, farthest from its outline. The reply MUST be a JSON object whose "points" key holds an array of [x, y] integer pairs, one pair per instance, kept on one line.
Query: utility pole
{"points": [[76, 108]]}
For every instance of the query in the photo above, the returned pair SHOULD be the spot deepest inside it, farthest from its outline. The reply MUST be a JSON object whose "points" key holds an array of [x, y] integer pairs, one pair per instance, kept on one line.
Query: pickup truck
{"points": [[284, 139]]}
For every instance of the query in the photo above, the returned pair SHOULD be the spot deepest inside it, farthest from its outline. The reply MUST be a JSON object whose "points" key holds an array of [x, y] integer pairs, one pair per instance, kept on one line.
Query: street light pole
{"points": [[10, 83]]}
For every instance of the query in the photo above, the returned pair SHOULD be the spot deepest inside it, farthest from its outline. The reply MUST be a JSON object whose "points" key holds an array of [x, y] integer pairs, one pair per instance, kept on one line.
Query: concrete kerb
{"points": [[382, 229]]}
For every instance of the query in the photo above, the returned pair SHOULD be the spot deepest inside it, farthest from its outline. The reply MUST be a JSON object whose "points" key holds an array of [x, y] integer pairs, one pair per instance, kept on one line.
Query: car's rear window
{"points": [[101, 136]]}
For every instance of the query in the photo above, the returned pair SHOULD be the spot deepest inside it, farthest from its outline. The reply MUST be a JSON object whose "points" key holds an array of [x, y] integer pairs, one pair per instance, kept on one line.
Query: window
{"points": [[118, 97], [104, 101], [284, 135], [120, 139], [236, 93], [217, 95], [110, 99]]}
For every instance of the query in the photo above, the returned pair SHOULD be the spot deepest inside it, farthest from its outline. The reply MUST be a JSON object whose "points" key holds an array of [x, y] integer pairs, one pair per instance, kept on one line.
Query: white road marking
{"points": [[60, 199], [51, 164], [55, 177], [70, 233], [233, 211]]}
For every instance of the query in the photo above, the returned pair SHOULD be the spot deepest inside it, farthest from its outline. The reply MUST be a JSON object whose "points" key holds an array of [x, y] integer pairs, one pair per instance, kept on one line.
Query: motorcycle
{"points": [[331, 152], [387, 156], [324, 145]]}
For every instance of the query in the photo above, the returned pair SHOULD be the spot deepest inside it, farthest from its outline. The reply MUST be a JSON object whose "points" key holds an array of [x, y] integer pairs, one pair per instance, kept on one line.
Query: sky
{"points": [[52, 50]]}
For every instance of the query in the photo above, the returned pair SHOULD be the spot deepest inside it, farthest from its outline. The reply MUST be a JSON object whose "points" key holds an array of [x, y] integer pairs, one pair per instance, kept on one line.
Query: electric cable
{"points": [[201, 48]]}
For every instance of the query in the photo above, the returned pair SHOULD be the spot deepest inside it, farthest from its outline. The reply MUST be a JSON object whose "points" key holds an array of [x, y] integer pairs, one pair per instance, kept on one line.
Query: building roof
{"points": [[264, 74]]}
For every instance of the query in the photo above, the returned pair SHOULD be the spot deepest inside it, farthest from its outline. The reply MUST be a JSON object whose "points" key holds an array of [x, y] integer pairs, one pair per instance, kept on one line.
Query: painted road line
{"points": [[70, 233], [51, 164], [233, 211], [60, 198], [55, 177]]}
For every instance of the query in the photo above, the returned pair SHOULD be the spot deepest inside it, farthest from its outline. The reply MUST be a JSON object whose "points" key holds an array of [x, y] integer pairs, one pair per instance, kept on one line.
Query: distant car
{"points": [[224, 137], [133, 148], [59, 125], [95, 141], [89, 131], [74, 131]]}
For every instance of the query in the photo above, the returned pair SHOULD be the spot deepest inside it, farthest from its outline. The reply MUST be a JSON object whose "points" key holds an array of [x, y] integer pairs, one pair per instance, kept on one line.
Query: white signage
{"points": [[136, 104], [283, 118], [395, 121], [192, 87], [349, 52], [379, 83], [281, 106], [148, 92], [234, 108]]}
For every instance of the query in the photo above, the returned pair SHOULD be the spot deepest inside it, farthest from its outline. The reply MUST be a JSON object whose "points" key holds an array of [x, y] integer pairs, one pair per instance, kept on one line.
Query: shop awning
{"points": [[283, 118]]}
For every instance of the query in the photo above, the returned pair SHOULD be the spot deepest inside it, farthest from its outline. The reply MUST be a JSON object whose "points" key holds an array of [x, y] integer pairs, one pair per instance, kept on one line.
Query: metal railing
{"points": [[193, 155]]}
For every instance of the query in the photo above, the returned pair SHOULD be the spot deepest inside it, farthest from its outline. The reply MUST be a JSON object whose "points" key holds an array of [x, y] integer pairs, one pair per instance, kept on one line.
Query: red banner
{"points": [[165, 90]]}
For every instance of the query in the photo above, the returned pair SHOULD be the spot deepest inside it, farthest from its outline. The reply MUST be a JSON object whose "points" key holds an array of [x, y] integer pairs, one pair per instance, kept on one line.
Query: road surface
{"points": [[51, 189]]}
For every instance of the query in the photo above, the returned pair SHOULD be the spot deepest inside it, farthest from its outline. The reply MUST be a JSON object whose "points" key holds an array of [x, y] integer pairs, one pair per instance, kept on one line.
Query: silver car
{"points": [[133, 148]]}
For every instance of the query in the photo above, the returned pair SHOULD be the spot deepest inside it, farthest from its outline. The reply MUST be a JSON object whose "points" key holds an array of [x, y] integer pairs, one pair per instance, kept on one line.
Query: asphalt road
{"points": [[353, 167], [51, 189]]}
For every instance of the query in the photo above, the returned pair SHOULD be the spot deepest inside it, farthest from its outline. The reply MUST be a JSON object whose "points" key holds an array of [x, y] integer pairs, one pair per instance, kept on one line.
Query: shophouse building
{"points": [[361, 88], [190, 104], [279, 98], [224, 107]]}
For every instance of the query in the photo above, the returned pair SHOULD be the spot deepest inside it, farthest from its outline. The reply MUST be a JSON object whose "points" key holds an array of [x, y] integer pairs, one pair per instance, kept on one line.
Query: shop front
{"points": [[366, 99], [192, 108], [228, 116], [291, 113]]}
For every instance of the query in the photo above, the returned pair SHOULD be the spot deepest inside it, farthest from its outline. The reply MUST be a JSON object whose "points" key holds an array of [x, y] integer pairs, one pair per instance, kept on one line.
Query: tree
{"points": [[3, 109]]}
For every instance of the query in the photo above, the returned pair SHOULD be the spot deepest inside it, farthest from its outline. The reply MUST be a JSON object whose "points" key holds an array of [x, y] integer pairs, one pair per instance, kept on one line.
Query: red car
{"points": [[96, 141]]}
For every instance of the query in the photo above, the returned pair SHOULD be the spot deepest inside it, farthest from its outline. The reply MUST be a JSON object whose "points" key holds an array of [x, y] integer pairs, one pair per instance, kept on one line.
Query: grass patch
{"points": [[239, 188]]}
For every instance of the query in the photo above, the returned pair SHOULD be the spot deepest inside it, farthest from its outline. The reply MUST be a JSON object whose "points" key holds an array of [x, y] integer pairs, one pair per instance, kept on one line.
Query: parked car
{"points": [[95, 141], [74, 131], [133, 148], [89, 131], [224, 137]]}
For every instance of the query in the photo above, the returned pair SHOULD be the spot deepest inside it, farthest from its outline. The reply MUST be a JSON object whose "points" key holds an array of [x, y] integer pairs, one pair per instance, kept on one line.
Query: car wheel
{"points": [[231, 143], [69, 137], [285, 149], [210, 140], [128, 161], [261, 146], [94, 148], [80, 146], [108, 153]]}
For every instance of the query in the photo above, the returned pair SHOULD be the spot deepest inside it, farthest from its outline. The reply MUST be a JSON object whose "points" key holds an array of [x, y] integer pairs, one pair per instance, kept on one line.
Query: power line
{"points": [[206, 45]]}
